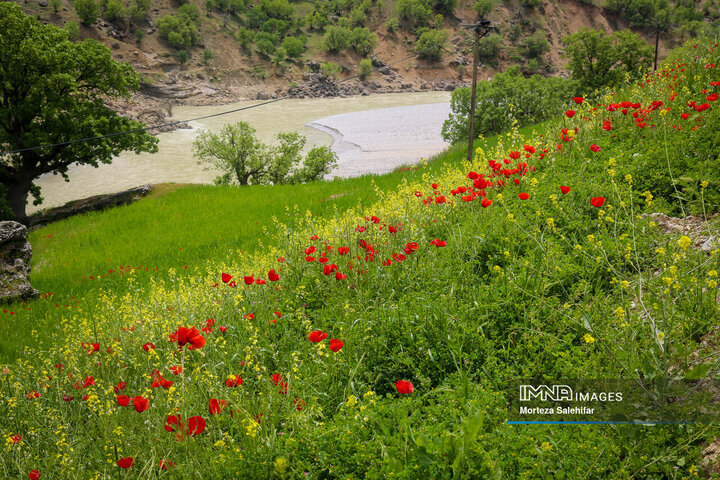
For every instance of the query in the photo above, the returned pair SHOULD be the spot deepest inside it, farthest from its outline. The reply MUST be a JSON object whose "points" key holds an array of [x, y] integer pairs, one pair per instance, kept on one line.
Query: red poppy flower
{"points": [[126, 462], [486, 202], [299, 404], [33, 394], [317, 336], [33, 474], [284, 388], [515, 155], [570, 113], [439, 243], [578, 100], [523, 196], [161, 382], [343, 250], [440, 199], [564, 189], [165, 464], [276, 378], [120, 387], [340, 276], [16, 439], [260, 281], [226, 277], [403, 386], [434, 186], [594, 148], [234, 381], [123, 400], [176, 369], [530, 149], [278, 314], [140, 403], [222, 328], [597, 201], [336, 345], [360, 228], [684, 116], [314, 237], [387, 262], [281, 260], [249, 280], [712, 97], [216, 406], [375, 219], [310, 250], [148, 346], [232, 284], [192, 336], [328, 269], [399, 257], [67, 398], [273, 276], [309, 258]]}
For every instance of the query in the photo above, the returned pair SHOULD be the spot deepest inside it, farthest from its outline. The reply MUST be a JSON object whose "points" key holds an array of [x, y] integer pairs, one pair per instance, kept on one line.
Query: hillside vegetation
{"points": [[379, 339], [272, 43]]}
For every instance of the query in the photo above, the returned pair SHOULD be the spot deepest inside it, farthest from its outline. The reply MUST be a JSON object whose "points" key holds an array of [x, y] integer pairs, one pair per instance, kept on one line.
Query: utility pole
{"points": [[481, 28]]}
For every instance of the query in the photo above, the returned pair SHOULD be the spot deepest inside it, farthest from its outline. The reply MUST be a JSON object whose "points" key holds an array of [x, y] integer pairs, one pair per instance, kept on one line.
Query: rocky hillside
{"points": [[220, 51]]}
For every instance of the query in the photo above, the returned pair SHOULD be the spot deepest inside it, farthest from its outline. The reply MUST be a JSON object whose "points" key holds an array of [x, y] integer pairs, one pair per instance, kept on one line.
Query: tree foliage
{"points": [[242, 159], [507, 98], [597, 59], [87, 10], [431, 42], [52, 91]]}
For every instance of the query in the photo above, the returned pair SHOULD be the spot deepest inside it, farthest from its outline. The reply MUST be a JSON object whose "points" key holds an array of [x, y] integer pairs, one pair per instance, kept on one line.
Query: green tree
{"points": [[293, 46], [87, 10], [415, 12], [330, 69], [336, 39], [489, 46], [72, 30], [318, 162], [536, 44], [235, 151], [115, 11], [431, 42], [53, 91], [483, 8], [138, 9], [597, 59], [365, 67], [445, 6], [363, 41], [284, 156]]}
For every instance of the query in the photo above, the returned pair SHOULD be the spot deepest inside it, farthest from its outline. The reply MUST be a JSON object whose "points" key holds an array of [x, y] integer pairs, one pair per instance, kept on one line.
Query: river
{"points": [[371, 134]]}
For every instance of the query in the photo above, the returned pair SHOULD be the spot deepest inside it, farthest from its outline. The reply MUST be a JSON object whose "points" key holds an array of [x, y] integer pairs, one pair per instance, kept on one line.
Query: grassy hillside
{"points": [[437, 290]]}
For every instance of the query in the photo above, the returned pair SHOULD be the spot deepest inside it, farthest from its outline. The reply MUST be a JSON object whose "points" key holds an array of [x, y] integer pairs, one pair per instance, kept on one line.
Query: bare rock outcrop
{"points": [[15, 254]]}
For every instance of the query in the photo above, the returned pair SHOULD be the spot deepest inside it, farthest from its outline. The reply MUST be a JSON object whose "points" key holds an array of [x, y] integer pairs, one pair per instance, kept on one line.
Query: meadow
{"points": [[369, 328]]}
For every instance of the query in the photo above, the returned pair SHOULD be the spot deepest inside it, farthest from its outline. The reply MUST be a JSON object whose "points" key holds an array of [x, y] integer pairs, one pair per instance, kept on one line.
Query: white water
{"points": [[372, 134]]}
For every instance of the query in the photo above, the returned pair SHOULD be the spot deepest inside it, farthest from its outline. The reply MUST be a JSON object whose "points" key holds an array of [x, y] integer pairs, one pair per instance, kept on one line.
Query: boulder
{"points": [[15, 254]]}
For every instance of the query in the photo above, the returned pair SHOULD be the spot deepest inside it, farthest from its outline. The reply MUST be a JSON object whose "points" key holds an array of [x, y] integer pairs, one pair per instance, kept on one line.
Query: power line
{"points": [[177, 122]]}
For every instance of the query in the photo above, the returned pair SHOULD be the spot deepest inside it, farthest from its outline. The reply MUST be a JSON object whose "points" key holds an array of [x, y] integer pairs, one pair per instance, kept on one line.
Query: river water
{"points": [[371, 134]]}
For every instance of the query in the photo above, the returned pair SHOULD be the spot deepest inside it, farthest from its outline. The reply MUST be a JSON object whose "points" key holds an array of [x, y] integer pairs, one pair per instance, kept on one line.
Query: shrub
{"points": [[430, 43], [531, 3], [597, 59], [182, 56], [365, 67], [483, 8], [115, 11], [245, 37], [72, 30], [536, 44], [180, 31], [318, 162], [336, 39], [87, 10], [139, 36], [508, 97], [363, 41], [293, 46], [207, 55], [445, 6], [280, 55], [488, 46], [415, 12], [139, 9], [56, 4], [331, 69], [277, 9], [392, 24]]}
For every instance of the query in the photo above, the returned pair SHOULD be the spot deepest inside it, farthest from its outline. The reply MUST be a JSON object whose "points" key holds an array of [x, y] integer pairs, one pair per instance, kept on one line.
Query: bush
{"points": [[280, 56], [430, 43], [293, 46], [318, 162], [56, 4], [536, 44], [337, 39], [489, 46], [180, 31], [445, 6], [182, 56], [365, 67], [392, 24], [139, 9], [531, 3], [265, 43], [415, 12], [597, 59], [331, 69], [207, 55], [139, 36], [72, 30], [245, 37], [115, 11], [508, 97], [363, 41], [87, 10], [483, 8], [277, 9]]}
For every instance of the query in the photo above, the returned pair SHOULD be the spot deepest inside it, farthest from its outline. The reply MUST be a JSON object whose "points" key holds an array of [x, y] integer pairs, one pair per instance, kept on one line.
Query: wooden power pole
{"points": [[481, 28]]}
